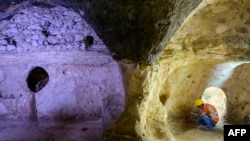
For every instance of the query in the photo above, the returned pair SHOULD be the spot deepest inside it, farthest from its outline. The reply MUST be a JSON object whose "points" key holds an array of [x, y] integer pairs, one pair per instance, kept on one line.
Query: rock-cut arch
{"points": [[216, 97]]}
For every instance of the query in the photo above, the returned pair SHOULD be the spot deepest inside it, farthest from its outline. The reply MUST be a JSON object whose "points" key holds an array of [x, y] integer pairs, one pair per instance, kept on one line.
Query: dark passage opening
{"points": [[37, 79]]}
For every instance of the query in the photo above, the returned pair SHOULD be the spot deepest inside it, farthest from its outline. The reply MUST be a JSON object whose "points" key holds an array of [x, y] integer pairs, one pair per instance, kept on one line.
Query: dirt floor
{"points": [[198, 134], [83, 131], [51, 130]]}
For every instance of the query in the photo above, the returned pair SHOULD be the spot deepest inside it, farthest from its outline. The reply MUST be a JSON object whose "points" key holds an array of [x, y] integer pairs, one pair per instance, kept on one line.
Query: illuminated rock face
{"points": [[34, 28], [206, 58], [47, 73], [203, 52]]}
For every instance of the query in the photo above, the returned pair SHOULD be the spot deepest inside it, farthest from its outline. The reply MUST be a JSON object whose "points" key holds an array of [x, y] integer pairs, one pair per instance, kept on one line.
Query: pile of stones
{"points": [[31, 28]]}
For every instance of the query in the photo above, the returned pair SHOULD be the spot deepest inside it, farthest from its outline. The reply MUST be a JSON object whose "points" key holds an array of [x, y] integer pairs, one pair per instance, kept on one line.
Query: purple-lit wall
{"points": [[83, 84]]}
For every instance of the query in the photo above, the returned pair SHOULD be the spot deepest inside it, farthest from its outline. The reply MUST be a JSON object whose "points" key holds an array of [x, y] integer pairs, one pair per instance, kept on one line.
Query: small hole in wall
{"points": [[163, 99], [84, 129], [88, 40], [37, 79]]}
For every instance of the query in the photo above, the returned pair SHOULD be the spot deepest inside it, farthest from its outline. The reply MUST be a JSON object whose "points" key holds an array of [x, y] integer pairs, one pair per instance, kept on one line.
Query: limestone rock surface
{"points": [[206, 58]]}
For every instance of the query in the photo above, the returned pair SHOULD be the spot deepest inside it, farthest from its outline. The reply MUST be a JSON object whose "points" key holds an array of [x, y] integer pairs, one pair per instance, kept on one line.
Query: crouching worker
{"points": [[208, 116]]}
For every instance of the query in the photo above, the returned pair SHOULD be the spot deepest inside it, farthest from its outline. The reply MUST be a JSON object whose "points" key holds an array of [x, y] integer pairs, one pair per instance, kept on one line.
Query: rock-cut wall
{"points": [[84, 82], [36, 27], [209, 49]]}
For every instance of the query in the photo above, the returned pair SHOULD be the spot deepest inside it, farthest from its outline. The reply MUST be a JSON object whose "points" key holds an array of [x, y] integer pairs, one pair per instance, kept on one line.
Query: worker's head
{"points": [[198, 102]]}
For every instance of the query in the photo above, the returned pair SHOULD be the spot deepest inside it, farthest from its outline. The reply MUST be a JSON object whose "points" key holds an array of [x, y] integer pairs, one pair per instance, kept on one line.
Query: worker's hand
{"points": [[208, 115], [202, 114]]}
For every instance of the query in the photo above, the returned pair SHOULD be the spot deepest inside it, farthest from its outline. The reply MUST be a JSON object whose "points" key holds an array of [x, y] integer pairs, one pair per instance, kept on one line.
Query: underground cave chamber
{"points": [[56, 76], [82, 92]]}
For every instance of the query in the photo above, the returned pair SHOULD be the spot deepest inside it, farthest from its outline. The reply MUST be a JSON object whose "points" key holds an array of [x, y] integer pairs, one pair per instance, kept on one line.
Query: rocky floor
{"points": [[51, 130], [198, 134], [82, 131]]}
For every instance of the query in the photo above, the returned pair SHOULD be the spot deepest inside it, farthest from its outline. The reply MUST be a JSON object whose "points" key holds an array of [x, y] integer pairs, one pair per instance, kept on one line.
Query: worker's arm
{"points": [[212, 112]]}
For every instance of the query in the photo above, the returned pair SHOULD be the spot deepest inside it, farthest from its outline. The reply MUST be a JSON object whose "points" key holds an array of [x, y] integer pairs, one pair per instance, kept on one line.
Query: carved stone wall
{"points": [[84, 82]]}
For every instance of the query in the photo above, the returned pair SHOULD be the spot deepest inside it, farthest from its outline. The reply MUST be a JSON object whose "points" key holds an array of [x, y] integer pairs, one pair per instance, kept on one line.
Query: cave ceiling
{"points": [[137, 30]]}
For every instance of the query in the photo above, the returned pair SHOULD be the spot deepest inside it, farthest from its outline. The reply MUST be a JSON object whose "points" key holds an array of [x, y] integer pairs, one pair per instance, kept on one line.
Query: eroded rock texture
{"points": [[169, 52], [210, 49], [69, 83], [43, 27], [134, 29]]}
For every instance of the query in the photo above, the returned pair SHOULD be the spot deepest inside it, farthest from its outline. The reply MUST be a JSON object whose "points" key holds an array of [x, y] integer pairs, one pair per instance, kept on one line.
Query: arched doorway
{"points": [[216, 97]]}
